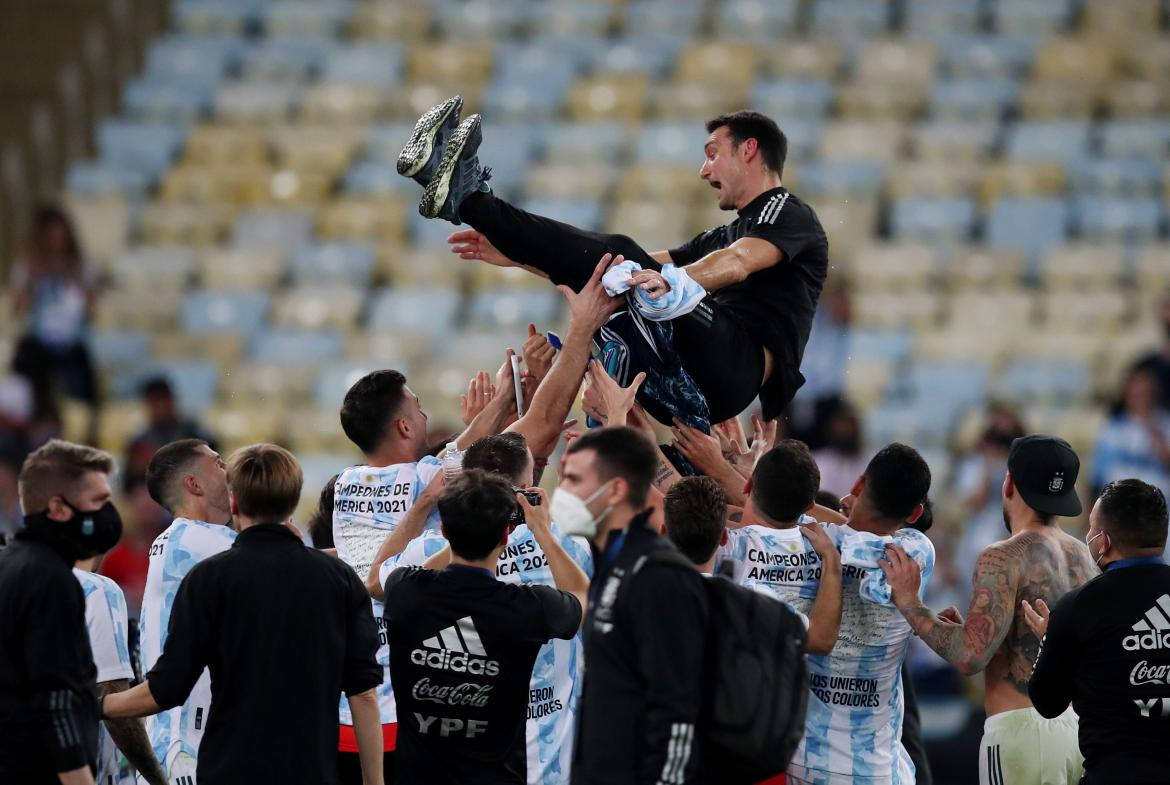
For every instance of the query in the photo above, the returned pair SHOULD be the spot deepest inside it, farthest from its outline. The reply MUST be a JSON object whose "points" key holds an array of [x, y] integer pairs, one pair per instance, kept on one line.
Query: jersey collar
{"points": [[755, 205], [1134, 561]]}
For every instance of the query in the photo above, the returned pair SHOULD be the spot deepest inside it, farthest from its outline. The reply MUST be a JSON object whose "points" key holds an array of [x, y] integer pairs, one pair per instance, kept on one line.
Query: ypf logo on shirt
{"points": [[458, 649], [1152, 632]]}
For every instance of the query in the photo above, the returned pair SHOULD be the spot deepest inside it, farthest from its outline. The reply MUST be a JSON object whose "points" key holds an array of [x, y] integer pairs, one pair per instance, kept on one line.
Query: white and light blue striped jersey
{"points": [[556, 674], [853, 727], [778, 562], [105, 619], [180, 547], [368, 503]]}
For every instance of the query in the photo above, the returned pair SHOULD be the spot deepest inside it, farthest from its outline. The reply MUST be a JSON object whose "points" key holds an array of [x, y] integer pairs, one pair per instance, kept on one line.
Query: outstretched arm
{"points": [[718, 269], [129, 735], [408, 528], [967, 645], [824, 617]]}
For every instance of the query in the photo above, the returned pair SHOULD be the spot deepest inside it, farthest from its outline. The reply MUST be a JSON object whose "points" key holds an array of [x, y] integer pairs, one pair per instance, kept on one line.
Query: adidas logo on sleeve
{"points": [[1152, 632], [457, 648]]}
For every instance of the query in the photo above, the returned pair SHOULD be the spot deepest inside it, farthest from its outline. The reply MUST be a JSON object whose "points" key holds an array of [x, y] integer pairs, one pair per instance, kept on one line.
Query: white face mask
{"points": [[572, 515], [1089, 542]]}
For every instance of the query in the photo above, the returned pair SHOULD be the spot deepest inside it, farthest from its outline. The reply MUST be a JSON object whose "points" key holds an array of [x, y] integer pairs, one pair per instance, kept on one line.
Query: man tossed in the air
{"points": [[740, 297]]}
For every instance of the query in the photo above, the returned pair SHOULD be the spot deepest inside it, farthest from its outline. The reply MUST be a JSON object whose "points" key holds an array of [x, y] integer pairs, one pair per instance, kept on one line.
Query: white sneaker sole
{"points": [[421, 145]]}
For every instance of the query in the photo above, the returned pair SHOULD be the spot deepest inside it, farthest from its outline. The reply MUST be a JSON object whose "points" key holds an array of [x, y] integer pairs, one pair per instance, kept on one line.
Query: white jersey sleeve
{"points": [[865, 550], [184, 544]]}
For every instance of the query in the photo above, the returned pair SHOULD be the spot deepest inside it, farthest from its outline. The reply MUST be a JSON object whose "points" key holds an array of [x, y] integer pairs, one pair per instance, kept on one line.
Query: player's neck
{"points": [[1114, 555], [766, 182], [1029, 521], [197, 510], [488, 564], [391, 453]]}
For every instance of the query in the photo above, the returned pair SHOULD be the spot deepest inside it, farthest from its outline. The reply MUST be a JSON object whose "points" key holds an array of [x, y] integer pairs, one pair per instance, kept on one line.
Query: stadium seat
{"points": [[879, 142], [1089, 62], [198, 225], [1030, 225], [890, 346], [308, 307], [756, 20], [674, 16], [785, 98], [168, 100], [844, 18], [1084, 266], [1057, 101], [649, 52], [806, 58], [390, 21], [672, 143], [291, 18], [246, 424], [149, 149], [1044, 381], [1113, 177], [335, 379], [117, 310], [225, 17], [284, 60], [933, 178], [256, 102], [349, 263], [895, 309], [1048, 140], [1021, 180], [567, 181], [897, 266], [933, 219], [585, 143], [197, 59], [147, 269], [950, 140], [605, 98], [970, 55], [342, 103], [984, 98], [381, 218], [1030, 17], [431, 311], [840, 178], [1119, 18], [1085, 310], [958, 341], [932, 17], [572, 18], [1152, 267], [119, 348], [978, 312], [652, 224], [509, 308], [1117, 218], [294, 347], [194, 382], [726, 65], [215, 311], [273, 229], [225, 144]]}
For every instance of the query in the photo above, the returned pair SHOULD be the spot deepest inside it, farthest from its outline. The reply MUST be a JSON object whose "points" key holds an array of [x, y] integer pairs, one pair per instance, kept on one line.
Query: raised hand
{"points": [[537, 516], [820, 541], [480, 392], [475, 246], [604, 399], [538, 354], [592, 306], [1036, 618], [701, 449], [951, 615], [651, 282], [902, 573]]}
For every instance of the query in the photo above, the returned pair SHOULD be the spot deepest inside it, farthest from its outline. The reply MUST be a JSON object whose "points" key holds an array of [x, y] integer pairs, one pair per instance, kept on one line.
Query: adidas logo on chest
{"points": [[1152, 631], [457, 649]]}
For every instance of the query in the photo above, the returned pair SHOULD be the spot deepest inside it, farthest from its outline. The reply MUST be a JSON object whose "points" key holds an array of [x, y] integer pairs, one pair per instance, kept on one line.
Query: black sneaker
{"points": [[459, 174], [424, 150]]}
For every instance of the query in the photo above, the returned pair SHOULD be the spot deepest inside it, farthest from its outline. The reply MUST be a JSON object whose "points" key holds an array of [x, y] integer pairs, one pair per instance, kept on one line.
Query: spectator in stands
{"points": [[54, 290], [127, 563], [164, 425], [978, 479], [284, 631], [840, 458], [1135, 443], [1158, 362], [695, 516]]}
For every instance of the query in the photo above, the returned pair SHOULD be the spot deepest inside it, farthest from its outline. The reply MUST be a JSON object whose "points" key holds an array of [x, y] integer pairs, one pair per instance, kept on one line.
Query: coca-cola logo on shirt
{"points": [[1144, 673], [465, 694]]}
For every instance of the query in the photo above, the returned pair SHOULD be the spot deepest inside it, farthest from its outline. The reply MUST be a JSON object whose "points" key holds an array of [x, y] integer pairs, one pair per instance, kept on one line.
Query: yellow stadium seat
{"points": [[324, 149], [654, 225], [663, 183], [1045, 344], [199, 225], [879, 142], [897, 62], [687, 100], [895, 309], [608, 98], [983, 269], [866, 380], [1146, 57], [1016, 179], [569, 181], [224, 349], [954, 342], [280, 386], [925, 179], [241, 425], [318, 430], [103, 225], [718, 63], [382, 218], [848, 222], [880, 100], [1137, 99], [341, 102], [1090, 62], [456, 63], [412, 266], [387, 349], [131, 310], [978, 311], [315, 306], [1153, 267], [1058, 100], [1120, 18], [414, 98], [241, 268], [901, 266], [389, 20], [1085, 310], [208, 144], [805, 59], [120, 420], [1084, 265]]}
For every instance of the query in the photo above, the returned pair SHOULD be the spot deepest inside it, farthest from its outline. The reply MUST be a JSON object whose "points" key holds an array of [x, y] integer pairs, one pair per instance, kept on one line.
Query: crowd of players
{"points": [[461, 626]]}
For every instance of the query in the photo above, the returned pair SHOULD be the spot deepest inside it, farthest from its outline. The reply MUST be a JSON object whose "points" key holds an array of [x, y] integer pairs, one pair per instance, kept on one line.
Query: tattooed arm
{"points": [[967, 645], [130, 737]]}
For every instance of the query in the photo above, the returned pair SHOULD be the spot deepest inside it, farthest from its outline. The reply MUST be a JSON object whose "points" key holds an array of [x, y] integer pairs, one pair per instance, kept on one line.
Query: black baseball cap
{"points": [[1044, 469]]}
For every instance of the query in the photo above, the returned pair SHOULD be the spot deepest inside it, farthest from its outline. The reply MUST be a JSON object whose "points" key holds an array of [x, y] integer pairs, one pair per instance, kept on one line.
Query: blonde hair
{"points": [[266, 480], [54, 470]]}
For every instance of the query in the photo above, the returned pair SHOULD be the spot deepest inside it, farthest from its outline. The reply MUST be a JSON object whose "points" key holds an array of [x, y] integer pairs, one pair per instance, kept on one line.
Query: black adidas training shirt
{"points": [[776, 305], [1107, 651], [462, 647]]}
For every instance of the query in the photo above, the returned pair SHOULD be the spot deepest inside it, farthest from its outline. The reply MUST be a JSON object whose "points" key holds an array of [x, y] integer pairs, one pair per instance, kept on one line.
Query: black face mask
{"points": [[87, 533]]}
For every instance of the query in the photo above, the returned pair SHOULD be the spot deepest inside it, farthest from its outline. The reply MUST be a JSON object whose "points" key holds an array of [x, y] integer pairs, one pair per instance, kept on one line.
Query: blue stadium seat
{"points": [[149, 149], [273, 228], [169, 99], [194, 381], [836, 177], [430, 234], [672, 143], [374, 178], [295, 347], [1145, 139], [891, 345], [675, 16], [195, 58], [306, 17], [384, 142], [1031, 17], [508, 149], [490, 19], [145, 266], [965, 55], [219, 311], [292, 59], [379, 64], [583, 214], [95, 178], [763, 20], [976, 137], [429, 310], [950, 384], [1116, 177], [531, 82], [217, 16], [577, 141], [922, 423], [119, 348], [940, 16], [1029, 225], [1048, 140], [803, 136], [932, 219], [972, 97], [1029, 379], [650, 51], [793, 97], [582, 17], [1118, 218], [511, 307], [350, 263], [847, 19], [334, 380]]}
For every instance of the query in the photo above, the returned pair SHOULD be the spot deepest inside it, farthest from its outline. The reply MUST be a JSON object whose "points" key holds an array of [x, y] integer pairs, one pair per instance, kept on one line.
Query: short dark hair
{"points": [[785, 481], [157, 386], [621, 452], [505, 454], [266, 482], [1133, 514], [476, 509], [370, 406], [897, 480], [321, 519], [828, 500], [745, 125], [164, 469], [695, 509]]}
